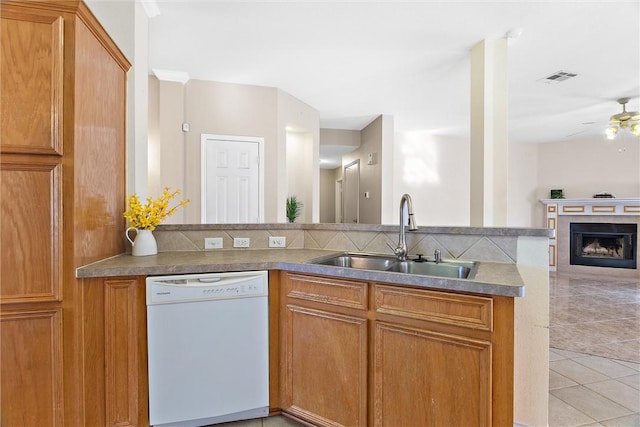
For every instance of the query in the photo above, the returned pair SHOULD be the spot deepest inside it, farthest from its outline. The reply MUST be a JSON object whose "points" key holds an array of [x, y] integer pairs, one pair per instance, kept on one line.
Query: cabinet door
{"points": [[424, 378], [115, 352], [31, 367], [325, 367], [31, 57], [30, 224]]}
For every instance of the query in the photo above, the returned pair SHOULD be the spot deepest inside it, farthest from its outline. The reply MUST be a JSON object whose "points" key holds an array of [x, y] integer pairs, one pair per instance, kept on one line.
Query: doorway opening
{"points": [[351, 193]]}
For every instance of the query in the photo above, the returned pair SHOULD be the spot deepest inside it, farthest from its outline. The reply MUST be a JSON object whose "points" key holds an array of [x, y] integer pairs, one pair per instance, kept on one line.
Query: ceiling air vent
{"points": [[557, 77]]}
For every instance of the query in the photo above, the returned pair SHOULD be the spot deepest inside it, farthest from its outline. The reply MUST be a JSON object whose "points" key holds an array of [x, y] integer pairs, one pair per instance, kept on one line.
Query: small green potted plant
{"points": [[294, 208]]}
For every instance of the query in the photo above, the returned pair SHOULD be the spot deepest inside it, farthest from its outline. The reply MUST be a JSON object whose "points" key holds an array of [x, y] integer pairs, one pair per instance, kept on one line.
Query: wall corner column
{"points": [[169, 148], [489, 138]]}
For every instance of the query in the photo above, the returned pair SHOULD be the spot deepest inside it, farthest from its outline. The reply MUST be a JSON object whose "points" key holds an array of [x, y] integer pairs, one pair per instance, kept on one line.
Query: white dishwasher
{"points": [[208, 344]]}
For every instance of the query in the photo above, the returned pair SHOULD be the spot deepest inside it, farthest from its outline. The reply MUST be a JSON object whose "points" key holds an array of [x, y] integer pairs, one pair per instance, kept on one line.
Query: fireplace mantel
{"points": [[593, 206], [587, 207]]}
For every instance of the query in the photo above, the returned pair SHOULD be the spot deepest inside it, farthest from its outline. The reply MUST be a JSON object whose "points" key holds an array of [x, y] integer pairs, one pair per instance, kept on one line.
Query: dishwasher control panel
{"points": [[209, 286]]}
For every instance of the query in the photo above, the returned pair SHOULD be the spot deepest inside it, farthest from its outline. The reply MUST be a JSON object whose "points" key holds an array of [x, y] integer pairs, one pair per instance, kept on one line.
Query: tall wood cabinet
{"points": [[62, 194]]}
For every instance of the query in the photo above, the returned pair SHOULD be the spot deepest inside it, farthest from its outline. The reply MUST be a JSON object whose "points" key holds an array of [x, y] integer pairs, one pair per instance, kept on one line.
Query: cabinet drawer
{"points": [[452, 309], [342, 293]]}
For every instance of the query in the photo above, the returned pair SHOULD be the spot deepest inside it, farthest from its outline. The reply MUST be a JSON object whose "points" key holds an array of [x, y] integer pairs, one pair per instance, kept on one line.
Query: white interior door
{"points": [[350, 193], [338, 201], [230, 181]]}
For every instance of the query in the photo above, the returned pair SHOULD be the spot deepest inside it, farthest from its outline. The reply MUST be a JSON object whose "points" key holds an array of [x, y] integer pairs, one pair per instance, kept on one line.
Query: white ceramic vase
{"points": [[143, 243]]}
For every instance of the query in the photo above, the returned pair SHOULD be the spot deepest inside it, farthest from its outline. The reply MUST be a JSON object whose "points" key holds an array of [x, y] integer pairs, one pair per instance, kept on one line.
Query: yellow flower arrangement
{"points": [[149, 216]]}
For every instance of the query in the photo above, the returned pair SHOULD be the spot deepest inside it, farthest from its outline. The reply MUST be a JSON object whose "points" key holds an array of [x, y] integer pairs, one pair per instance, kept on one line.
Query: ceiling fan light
{"points": [[635, 129], [611, 132]]}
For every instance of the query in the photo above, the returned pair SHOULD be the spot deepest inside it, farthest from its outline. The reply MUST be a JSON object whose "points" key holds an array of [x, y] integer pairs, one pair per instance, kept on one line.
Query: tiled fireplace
{"points": [[594, 236]]}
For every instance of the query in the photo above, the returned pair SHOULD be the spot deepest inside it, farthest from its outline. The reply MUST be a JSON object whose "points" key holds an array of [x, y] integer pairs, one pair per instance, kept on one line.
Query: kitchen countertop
{"points": [[491, 278]]}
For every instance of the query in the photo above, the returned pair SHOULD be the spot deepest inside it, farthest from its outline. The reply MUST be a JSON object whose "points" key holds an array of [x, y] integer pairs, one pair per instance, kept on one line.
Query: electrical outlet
{"points": [[213, 242], [241, 242], [277, 242]]}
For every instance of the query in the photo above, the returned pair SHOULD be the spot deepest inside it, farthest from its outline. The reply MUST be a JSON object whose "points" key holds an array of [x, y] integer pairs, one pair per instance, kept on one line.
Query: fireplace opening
{"points": [[603, 244]]}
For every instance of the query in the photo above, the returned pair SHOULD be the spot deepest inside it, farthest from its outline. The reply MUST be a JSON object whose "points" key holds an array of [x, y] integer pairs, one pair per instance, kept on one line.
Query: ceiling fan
{"points": [[626, 119]]}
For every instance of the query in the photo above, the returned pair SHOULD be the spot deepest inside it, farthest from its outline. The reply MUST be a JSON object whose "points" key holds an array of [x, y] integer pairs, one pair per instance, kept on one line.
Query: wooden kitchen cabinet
{"points": [[31, 119], [433, 359], [62, 194], [400, 355], [115, 351], [325, 348]]}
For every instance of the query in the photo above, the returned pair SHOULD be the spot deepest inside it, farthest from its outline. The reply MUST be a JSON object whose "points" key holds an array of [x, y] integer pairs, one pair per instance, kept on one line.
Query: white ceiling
{"points": [[353, 60]]}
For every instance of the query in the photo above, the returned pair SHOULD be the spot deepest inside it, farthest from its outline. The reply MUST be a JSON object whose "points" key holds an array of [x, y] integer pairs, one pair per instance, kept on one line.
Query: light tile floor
{"points": [[587, 390], [596, 315], [594, 374]]}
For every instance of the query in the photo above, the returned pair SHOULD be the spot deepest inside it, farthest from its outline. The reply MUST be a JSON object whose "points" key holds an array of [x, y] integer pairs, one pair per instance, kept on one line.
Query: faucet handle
{"points": [[399, 252], [437, 257]]}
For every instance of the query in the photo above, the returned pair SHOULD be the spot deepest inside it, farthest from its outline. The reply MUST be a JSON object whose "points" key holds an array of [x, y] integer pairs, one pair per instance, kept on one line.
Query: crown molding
{"points": [[151, 8], [171, 75]]}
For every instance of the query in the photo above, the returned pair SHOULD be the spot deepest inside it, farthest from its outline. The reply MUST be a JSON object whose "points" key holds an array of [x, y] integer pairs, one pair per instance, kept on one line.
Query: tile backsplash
{"points": [[477, 247]]}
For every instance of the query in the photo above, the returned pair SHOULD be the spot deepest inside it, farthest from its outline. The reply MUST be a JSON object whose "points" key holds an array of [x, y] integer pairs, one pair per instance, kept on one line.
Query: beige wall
{"points": [[342, 137], [299, 182], [583, 168], [371, 175], [328, 178], [229, 109], [371, 142], [167, 154], [234, 110], [435, 172], [153, 145], [209, 108], [522, 206], [296, 117], [387, 165]]}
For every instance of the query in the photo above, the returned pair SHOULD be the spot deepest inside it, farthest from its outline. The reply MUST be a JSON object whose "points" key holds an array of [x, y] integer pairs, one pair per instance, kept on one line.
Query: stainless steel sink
{"points": [[456, 270], [364, 261], [357, 260]]}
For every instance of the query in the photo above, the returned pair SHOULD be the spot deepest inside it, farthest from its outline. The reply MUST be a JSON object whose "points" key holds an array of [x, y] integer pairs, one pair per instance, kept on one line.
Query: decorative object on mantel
{"points": [[626, 119], [604, 196], [144, 219], [294, 208], [556, 194]]}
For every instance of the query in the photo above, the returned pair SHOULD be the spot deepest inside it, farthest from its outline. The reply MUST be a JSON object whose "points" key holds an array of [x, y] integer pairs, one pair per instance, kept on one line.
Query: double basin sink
{"points": [[364, 261]]}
